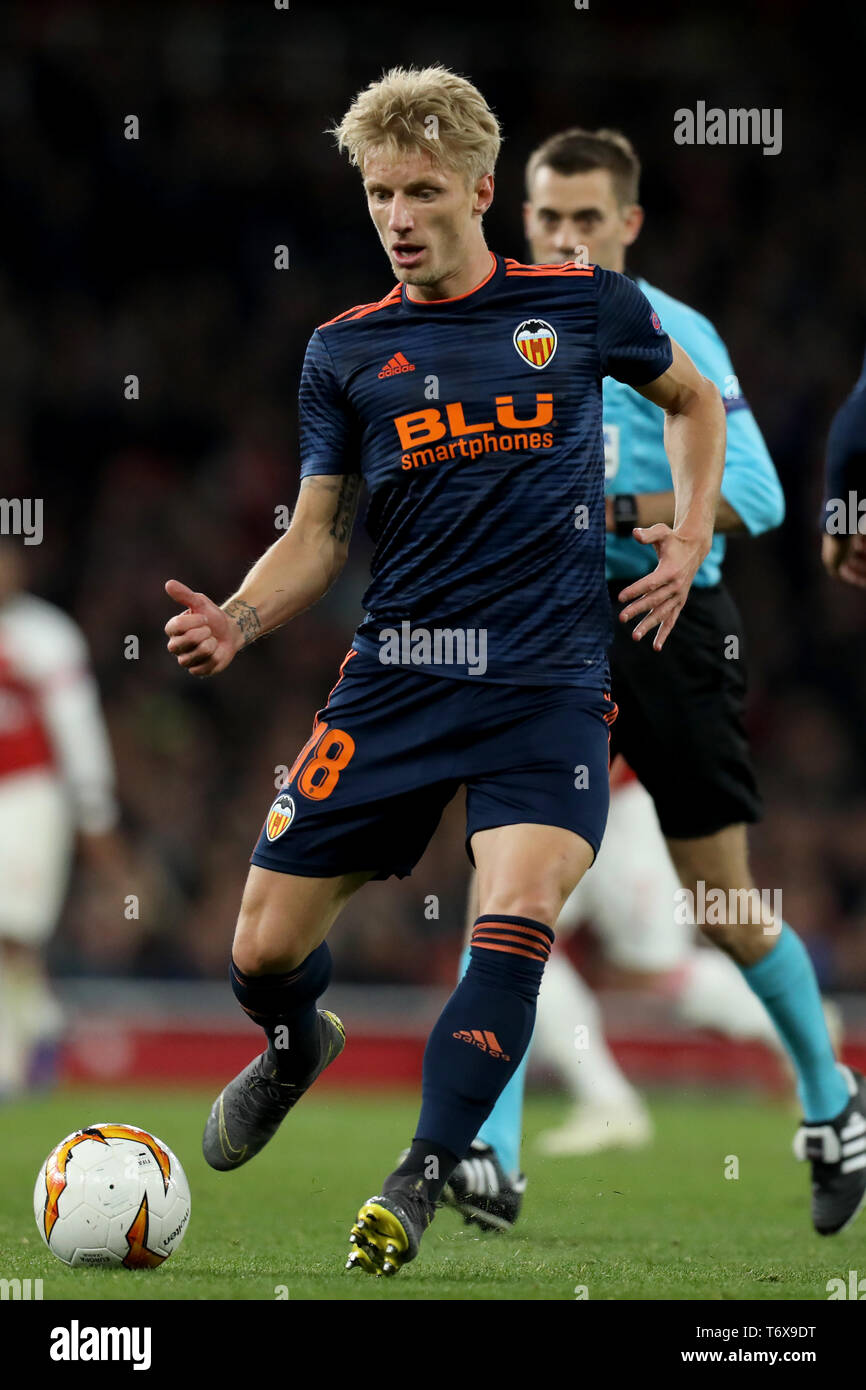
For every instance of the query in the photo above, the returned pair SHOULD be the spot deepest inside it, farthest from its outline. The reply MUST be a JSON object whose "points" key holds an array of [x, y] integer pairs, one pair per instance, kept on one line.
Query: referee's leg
{"points": [[773, 960]]}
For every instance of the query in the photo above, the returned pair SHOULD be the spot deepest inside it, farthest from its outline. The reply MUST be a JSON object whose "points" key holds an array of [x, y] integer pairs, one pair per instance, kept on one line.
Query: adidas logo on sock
{"points": [[487, 1041], [398, 363]]}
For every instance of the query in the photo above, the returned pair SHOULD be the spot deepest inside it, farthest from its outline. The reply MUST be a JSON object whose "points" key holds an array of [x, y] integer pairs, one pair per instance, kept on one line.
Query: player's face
{"points": [[570, 210], [426, 216]]}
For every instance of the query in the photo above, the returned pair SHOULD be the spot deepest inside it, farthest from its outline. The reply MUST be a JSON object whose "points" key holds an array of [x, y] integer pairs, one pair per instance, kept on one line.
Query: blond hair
{"points": [[430, 109]]}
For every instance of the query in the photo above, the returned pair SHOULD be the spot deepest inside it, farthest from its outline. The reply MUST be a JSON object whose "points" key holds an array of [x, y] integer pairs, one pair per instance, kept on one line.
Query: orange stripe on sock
{"points": [[515, 927], [511, 951], [252, 1013], [507, 936]]}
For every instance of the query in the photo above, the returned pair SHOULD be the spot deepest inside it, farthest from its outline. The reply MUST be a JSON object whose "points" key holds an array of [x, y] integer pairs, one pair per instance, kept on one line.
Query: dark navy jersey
{"points": [[476, 425]]}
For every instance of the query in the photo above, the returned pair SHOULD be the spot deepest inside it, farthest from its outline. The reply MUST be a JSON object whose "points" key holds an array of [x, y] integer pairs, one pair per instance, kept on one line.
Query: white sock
{"points": [[565, 1006], [14, 1051], [29, 1014], [714, 994]]}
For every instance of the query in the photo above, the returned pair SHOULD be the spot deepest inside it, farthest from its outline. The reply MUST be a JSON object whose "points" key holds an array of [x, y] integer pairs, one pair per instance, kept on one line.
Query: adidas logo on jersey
{"points": [[487, 1041], [397, 364]]}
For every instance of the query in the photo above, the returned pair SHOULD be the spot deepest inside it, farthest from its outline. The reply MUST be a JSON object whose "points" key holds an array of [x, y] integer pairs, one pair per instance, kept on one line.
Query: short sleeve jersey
{"points": [[636, 459], [476, 423]]}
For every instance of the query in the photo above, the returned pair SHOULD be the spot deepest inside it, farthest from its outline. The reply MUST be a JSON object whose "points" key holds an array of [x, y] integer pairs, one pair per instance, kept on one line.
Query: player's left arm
{"points": [[752, 500], [74, 720], [634, 348], [69, 702], [695, 446]]}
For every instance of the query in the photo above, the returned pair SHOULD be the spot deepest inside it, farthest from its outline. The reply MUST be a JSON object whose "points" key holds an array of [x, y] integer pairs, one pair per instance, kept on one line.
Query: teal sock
{"points": [[503, 1127], [785, 983]]}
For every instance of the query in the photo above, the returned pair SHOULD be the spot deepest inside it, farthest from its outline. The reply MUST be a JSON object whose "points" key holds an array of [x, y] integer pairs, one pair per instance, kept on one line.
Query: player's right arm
{"points": [[302, 565], [289, 578]]}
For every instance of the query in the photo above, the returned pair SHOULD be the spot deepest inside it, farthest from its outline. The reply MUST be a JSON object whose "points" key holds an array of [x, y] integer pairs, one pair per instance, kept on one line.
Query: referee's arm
{"points": [[695, 446]]}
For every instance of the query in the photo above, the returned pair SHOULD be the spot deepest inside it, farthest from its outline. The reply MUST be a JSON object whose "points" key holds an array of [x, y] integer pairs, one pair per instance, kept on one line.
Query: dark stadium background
{"points": [[156, 257]]}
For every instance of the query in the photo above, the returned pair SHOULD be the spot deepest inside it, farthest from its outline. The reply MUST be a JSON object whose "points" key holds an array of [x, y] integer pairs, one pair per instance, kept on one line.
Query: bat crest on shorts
{"points": [[280, 816]]}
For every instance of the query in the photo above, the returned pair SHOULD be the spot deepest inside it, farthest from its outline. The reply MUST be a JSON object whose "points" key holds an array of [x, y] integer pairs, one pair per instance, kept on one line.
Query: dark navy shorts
{"points": [[392, 746]]}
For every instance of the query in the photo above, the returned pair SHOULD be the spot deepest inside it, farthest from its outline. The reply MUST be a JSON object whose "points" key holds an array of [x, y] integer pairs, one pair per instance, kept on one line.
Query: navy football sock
{"points": [[285, 1006], [428, 1164], [478, 1041]]}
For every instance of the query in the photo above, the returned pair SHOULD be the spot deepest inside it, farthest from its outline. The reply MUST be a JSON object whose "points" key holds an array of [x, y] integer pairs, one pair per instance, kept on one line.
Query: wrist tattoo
{"points": [[246, 618], [347, 505]]}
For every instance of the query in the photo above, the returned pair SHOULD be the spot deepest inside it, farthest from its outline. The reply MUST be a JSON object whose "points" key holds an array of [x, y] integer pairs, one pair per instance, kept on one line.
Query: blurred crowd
{"points": [[154, 257]]}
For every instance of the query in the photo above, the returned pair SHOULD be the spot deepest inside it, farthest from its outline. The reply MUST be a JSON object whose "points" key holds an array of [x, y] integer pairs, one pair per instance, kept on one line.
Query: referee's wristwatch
{"points": [[624, 513]]}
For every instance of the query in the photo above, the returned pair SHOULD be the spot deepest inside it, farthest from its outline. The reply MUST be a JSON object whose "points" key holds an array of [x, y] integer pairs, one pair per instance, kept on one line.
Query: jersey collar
{"points": [[471, 297]]}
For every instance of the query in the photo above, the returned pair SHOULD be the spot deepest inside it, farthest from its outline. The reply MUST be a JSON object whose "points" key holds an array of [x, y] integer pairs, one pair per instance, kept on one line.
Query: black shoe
{"points": [[252, 1107], [837, 1153], [388, 1229], [482, 1192]]}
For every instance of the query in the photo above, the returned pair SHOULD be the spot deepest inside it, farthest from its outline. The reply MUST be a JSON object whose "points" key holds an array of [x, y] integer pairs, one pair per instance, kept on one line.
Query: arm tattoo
{"points": [[246, 618], [347, 505]]}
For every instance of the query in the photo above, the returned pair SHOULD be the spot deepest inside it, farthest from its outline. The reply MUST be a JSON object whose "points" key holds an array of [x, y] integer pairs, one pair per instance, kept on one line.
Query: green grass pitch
{"points": [[661, 1224]]}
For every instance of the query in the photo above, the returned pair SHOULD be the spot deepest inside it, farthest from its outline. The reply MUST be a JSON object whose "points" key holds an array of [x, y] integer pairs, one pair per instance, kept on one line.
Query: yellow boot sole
{"points": [[380, 1241]]}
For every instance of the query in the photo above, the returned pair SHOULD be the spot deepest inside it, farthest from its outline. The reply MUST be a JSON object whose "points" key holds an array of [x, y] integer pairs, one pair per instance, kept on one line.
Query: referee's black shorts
{"points": [[680, 725]]}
